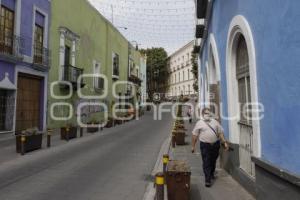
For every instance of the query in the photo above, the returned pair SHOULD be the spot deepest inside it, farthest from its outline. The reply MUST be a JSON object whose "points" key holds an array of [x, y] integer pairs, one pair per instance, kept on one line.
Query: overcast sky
{"points": [[152, 23]]}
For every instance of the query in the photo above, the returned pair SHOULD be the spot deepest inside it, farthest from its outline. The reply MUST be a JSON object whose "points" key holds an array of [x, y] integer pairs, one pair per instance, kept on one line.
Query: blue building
{"points": [[249, 67], [24, 64]]}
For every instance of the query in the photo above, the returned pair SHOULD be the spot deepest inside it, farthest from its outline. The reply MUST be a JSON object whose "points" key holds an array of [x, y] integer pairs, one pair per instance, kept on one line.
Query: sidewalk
{"points": [[225, 187]]}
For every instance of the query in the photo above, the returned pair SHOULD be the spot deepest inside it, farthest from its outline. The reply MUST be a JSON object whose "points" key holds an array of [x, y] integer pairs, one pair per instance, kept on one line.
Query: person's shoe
{"points": [[208, 184]]}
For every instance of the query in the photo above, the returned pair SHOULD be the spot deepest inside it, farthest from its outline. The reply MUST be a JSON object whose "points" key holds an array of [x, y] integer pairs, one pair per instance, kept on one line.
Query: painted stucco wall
{"points": [[275, 27], [7, 68], [98, 40]]}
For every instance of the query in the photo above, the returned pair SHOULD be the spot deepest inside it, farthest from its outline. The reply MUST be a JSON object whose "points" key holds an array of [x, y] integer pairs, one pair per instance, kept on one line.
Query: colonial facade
{"points": [[24, 64], [90, 67], [248, 57], [143, 76], [134, 76], [181, 78]]}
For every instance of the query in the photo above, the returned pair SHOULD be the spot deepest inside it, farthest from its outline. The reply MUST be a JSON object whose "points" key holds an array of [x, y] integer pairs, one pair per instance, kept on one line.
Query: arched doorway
{"points": [[242, 92], [244, 98]]}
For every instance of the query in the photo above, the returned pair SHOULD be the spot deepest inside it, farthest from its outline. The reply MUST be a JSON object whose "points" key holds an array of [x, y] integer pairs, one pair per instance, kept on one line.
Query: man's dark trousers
{"points": [[210, 154]]}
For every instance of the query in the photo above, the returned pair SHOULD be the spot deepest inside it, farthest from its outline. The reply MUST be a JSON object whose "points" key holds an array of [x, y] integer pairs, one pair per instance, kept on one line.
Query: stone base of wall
{"points": [[230, 162], [274, 183], [270, 182]]}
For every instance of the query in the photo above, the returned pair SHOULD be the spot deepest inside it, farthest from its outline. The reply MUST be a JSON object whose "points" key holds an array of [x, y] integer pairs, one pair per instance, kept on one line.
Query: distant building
{"points": [[181, 78], [143, 76], [249, 67]]}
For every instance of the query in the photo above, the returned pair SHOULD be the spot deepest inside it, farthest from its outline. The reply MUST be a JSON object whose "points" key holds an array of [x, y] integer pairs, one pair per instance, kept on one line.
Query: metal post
{"points": [[67, 133], [173, 140], [159, 183], [81, 131], [23, 140], [165, 163], [49, 132]]}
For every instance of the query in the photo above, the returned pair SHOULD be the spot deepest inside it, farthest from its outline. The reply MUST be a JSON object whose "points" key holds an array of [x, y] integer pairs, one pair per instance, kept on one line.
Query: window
{"points": [[116, 63], [6, 30], [175, 78], [38, 43], [98, 81], [179, 76], [7, 101], [183, 75], [188, 74], [243, 77], [189, 89]]}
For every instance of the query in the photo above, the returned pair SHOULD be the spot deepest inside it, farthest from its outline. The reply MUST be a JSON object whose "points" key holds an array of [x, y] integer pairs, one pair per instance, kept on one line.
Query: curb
{"points": [[150, 190]]}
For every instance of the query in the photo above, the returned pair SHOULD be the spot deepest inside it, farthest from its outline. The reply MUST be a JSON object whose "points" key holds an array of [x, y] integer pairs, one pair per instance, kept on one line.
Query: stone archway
{"points": [[247, 135]]}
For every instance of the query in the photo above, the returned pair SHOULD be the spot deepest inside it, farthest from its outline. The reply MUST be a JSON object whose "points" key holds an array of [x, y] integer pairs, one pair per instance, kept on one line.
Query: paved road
{"points": [[113, 164]]}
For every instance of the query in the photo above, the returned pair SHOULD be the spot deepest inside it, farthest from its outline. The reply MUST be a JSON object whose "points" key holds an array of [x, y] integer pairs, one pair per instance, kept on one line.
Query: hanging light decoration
{"points": [[154, 23]]}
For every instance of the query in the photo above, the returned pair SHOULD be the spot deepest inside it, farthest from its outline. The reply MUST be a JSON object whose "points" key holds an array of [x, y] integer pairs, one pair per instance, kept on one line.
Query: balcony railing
{"points": [[71, 74], [134, 79], [41, 56], [201, 8], [12, 46], [116, 72]]}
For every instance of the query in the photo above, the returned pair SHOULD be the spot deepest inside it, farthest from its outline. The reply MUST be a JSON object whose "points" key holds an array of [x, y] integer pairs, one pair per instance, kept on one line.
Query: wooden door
{"points": [[28, 102]]}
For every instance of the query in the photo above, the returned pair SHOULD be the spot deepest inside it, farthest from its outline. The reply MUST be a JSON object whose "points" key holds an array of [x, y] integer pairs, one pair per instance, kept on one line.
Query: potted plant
{"points": [[93, 126], [32, 140], [68, 132]]}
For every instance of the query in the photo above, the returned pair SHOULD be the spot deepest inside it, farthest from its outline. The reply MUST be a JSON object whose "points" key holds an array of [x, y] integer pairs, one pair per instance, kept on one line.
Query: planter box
{"points": [[118, 121], [178, 180], [93, 129], [110, 123], [33, 142], [64, 135], [179, 137], [179, 126]]}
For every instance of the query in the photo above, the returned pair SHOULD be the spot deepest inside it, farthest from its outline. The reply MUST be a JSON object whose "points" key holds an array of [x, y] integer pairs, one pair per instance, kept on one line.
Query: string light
{"points": [[153, 23]]}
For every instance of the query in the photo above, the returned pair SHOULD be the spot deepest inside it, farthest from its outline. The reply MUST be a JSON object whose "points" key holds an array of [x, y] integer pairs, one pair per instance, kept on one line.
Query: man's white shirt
{"points": [[205, 133]]}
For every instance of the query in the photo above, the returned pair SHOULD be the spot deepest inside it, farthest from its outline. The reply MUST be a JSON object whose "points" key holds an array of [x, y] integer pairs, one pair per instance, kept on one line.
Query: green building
{"points": [[84, 42]]}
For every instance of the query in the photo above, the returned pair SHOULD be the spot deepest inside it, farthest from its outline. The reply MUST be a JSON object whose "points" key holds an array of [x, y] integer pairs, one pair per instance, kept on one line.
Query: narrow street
{"points": [[113, 164]]}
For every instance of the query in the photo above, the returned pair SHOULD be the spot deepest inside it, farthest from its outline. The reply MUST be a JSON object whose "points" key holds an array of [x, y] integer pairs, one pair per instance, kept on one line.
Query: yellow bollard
{"points": [[159, 183], [165, 163]]}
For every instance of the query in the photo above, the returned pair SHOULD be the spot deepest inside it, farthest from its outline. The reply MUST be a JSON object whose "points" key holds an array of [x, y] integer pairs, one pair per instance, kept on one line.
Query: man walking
{"points": [[210, 133]]}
